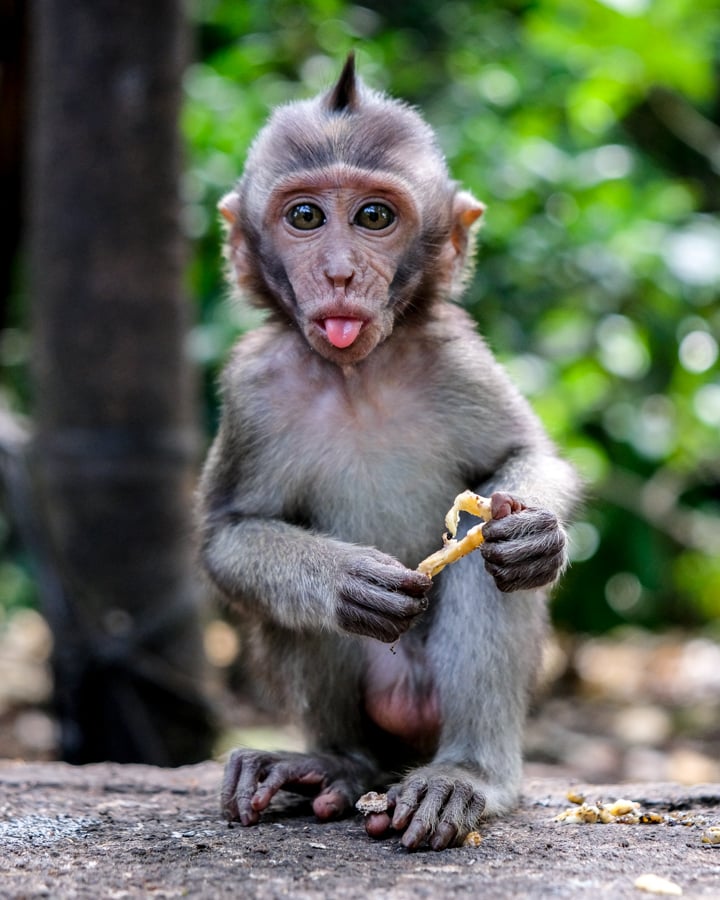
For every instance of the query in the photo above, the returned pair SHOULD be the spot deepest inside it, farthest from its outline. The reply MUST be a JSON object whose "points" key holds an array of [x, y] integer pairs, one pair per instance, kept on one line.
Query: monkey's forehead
{"points": [[382, 135], [339, 176]]}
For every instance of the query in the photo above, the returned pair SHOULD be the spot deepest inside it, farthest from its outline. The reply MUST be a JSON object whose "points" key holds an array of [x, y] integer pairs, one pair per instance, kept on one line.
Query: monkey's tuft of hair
{"points": [[344, 95]]}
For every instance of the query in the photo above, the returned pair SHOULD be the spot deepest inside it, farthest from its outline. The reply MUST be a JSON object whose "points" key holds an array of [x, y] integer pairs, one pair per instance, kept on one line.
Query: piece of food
{"points": [[454, 549], [622, 807], [619, 812], [712, 835], [654, 884], [473, 839], [372, 802]]}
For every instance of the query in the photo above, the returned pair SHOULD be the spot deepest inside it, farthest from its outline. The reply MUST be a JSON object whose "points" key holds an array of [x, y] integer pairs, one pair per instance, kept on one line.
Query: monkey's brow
{"points": [[344, 176]]}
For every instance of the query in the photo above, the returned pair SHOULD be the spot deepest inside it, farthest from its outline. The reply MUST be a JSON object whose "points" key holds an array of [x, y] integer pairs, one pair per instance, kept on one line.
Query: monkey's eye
{"points": [[375, 216], [306, 216]]}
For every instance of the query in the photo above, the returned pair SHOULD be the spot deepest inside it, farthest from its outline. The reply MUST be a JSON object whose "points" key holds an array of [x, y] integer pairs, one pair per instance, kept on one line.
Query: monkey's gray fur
{"points": [[334, 466]]}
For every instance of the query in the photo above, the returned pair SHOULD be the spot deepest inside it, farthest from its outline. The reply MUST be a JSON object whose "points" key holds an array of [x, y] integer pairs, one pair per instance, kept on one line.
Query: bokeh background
{"points": [[592, 131]]}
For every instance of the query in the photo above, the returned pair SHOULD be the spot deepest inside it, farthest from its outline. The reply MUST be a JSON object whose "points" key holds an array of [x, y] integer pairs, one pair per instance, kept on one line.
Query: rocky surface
{"points": [[134, 831]]}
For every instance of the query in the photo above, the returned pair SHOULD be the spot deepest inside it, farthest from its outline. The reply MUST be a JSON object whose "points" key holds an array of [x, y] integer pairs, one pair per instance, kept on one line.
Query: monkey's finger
{"points": [[439, 798], [444, 835], [472, 817], [242, 774], [331, 802], [531, 575], [408, 800], [229, 782], [243, 766], [524, 550], [525, 523], [267, 784], [377, 824], [476, 808], [371, 611], [416, 832], [502, 505], [413, 582], [361, 621], [452, 816], [396, 578], [298, 774], [392, 604], [463, 809]]}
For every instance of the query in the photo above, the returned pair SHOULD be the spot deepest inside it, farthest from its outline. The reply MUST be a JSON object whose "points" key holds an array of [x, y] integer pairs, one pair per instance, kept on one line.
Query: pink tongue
{"points": [[342, 332]]}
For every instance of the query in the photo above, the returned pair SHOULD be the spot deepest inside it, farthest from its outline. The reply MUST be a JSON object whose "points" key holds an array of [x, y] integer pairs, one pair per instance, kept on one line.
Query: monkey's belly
{"points": [[399, 695]]}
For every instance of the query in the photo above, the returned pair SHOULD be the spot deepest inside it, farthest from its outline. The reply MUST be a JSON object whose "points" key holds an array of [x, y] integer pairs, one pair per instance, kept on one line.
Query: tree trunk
{"points": [[115, 444]]}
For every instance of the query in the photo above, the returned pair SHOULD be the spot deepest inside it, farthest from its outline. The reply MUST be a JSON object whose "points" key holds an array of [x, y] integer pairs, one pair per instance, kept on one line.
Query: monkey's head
{"points": [[346, 219]]}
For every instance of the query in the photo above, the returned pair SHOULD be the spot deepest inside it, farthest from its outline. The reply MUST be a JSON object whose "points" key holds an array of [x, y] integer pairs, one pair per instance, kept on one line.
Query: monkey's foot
{"points": [[436, 804], [252, 778]]}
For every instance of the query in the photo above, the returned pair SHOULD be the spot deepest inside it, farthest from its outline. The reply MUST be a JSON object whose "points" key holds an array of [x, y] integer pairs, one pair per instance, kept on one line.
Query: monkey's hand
{"points": [[377, 596], [524, 547], [439, 804], [253, 777]]}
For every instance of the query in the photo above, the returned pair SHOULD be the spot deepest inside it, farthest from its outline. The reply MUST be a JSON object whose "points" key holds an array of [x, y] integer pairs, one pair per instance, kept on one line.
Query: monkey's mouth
{"points": [[341, 332]]}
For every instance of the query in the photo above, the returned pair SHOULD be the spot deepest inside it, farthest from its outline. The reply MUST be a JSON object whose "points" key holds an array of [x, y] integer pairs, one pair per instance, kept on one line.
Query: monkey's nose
{"points": [[339, 275], [340, 282]]}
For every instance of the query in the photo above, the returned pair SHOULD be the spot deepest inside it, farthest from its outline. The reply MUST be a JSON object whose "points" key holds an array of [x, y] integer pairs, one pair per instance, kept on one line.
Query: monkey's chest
{"points": [[381, 473]]}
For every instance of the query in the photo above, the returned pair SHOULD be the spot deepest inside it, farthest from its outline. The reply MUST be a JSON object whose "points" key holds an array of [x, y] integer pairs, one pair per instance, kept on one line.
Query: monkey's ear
{"points": [[457, 261], [236, 251], [229, 207], [466, 211], [345, 95]]}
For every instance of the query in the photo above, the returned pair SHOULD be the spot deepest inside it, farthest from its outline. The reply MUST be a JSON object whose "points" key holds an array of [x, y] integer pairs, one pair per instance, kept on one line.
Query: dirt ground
{"points": [[110, 831], [635, 715]]}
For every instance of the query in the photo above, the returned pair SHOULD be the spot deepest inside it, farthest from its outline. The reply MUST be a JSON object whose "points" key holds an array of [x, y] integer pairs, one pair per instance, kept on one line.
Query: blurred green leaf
{"points": [[598, 276]]}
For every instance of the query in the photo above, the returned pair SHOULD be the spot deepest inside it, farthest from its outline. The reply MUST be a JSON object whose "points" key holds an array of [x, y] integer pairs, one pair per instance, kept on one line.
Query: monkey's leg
{"points": [[483, 650], [321, 685]]}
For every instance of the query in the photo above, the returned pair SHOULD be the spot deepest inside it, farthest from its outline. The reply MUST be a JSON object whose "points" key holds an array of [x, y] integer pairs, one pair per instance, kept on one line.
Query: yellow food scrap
{"points": [[650, 818], [712, 835], [619, 812], [585, 814], [622, 807], [453, 549], [473, 839], [654, 884], [575, 797]]}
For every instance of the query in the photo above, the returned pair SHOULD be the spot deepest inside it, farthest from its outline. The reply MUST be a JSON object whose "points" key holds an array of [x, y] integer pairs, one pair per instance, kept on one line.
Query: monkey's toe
{"points": [[330, 804], [377, 825]]}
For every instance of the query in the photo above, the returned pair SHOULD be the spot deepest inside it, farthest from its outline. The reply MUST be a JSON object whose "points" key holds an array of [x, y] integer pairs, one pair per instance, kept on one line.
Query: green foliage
{"points": [[591, 129]]}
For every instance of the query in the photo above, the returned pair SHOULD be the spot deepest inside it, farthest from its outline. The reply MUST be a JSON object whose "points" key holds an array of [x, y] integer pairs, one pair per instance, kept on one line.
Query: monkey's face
{"points": [[341, 237]]}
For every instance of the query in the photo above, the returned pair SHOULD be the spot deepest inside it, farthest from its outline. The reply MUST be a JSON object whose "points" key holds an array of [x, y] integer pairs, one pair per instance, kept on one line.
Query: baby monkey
{"points": [[351, 419]]}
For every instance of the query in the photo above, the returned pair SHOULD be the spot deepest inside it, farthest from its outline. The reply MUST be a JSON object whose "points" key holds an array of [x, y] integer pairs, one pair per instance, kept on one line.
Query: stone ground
{"points": [[111, 831], [634, 714]]}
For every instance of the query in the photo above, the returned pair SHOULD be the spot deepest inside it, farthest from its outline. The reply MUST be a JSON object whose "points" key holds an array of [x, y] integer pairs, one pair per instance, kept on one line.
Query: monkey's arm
{"points": [[291, 575], [306, 581]]}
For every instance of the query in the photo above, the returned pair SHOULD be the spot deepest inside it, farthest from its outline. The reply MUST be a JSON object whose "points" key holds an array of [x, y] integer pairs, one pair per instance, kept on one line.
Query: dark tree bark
{"points": [[13, 46], [115, 444]]}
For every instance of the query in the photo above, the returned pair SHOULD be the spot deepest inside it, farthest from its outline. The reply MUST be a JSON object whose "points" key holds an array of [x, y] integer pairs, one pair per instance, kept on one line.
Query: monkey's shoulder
{"points": [[457, 356]]}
